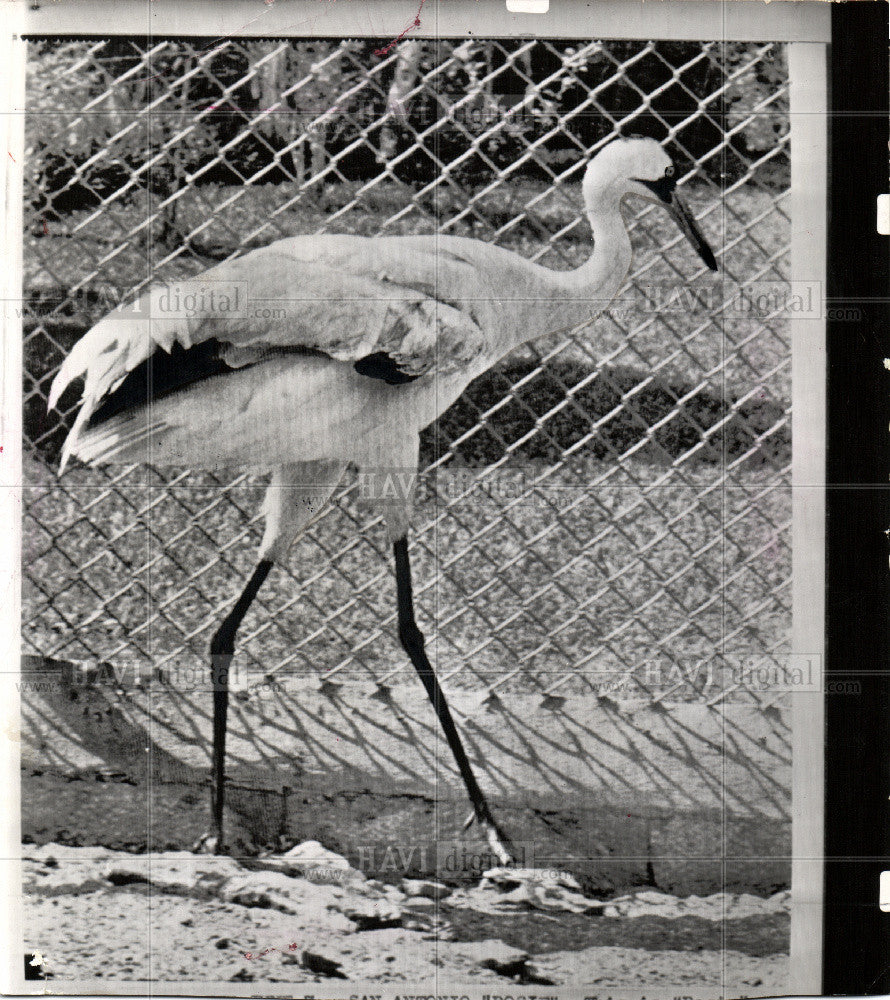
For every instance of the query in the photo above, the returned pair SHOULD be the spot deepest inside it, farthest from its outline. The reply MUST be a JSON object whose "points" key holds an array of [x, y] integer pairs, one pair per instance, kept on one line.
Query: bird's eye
{"points": [[669, 171]]}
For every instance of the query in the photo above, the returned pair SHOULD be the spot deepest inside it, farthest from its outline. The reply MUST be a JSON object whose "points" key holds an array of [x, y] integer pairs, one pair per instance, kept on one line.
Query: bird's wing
{"points": [[350, 298]]}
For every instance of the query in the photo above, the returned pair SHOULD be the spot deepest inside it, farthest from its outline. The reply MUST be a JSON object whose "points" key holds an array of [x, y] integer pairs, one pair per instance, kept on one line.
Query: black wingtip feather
{"points": [[381, 366], [161, 375]]}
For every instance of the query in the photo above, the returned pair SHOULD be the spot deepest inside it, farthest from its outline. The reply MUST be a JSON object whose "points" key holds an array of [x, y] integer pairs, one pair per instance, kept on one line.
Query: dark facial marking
{"points": [[664, 188]]}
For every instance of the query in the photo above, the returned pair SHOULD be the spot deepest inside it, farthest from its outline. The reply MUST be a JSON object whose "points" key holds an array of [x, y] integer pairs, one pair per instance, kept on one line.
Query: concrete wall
{"points": [[688, 797]]}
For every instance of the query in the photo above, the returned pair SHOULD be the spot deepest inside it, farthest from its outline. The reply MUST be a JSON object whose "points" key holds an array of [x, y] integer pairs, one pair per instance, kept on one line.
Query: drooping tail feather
{"points": [[107, 353], [102, 357], [108, 442]]}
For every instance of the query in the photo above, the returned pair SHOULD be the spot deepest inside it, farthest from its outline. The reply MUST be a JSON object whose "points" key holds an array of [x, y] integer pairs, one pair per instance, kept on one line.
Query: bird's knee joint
{"points": [[411, 637], [223, 641], [222, 645]]}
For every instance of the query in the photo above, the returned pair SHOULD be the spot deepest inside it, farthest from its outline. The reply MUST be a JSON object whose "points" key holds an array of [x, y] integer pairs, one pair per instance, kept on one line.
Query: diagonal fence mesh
{"points": [[605, 511]]}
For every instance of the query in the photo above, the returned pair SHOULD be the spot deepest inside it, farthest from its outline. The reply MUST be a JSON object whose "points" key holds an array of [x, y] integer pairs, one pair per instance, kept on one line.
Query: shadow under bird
{"points": [[372, 339]]}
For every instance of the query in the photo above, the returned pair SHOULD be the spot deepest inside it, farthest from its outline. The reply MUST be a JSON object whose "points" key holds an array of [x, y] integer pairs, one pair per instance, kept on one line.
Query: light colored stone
{"points": [[312, 854], [506, 876], [269, 890], [512, 890], [315, 862], [179, 872], [717, 907], [424, 887], [66, 880]]}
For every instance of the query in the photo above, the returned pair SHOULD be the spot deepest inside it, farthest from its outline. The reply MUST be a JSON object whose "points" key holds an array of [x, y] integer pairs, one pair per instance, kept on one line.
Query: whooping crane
{"points": [[381, 335]]}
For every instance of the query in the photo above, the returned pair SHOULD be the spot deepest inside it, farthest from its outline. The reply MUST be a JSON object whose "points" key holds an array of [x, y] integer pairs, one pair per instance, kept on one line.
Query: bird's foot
{"points": [[208, 843], [497, 840]]}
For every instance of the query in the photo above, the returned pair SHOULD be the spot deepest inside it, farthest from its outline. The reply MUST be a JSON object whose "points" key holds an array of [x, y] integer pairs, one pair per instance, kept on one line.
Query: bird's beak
{"points": [[680, 213]]}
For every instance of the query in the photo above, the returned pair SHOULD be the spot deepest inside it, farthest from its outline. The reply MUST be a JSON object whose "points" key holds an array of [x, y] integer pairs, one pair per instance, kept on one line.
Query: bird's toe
{"points": [[207, 843]]}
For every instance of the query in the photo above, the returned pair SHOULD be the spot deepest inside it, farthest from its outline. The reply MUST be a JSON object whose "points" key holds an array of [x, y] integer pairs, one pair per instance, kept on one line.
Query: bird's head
{"points": [[641, 167]]}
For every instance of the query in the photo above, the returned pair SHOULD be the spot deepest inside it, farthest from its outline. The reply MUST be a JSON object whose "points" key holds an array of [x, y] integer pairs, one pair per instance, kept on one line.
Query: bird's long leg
{"points": [[222, 649], [297, 496], [413, 643]]}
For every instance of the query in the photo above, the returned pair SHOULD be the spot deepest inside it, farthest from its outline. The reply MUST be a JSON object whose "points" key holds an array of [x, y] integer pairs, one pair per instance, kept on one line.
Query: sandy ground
{"points": [[180, 917]]}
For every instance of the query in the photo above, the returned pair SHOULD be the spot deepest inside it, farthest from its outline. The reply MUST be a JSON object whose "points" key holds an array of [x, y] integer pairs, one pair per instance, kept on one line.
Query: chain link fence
{"points": [[605, 512]]}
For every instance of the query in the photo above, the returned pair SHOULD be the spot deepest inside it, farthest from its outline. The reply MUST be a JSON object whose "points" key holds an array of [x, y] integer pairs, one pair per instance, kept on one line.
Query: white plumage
{"points": [[317, 352]]}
